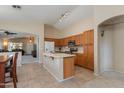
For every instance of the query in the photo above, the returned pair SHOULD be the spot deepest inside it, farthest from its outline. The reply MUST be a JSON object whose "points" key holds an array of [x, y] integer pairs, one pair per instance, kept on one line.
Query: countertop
{"points": [[58, 55]]}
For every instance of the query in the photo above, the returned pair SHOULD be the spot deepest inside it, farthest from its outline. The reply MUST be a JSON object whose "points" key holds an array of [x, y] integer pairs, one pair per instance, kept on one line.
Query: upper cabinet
{"points": [[78, 39], [91, 36], [84, 38], [88, 37]]}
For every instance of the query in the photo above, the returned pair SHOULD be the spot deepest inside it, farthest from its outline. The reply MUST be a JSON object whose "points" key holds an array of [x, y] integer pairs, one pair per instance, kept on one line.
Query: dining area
{"points": [[8, 69]]}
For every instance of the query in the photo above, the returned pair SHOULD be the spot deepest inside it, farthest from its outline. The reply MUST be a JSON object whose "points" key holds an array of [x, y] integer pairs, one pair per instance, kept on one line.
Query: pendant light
{"points": [[30, 40]]}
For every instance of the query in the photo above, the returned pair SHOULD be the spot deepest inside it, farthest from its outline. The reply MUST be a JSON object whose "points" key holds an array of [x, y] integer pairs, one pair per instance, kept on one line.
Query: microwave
{"points": [[71, 43]]}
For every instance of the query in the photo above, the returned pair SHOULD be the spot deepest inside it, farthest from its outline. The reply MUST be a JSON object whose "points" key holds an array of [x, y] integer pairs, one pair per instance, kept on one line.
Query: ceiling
{"points": [[79, 13], [18, 35], [47, 14]]}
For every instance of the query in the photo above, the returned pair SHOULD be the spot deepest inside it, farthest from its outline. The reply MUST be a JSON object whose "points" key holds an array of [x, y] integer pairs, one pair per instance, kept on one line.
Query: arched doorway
{"points": [[111, 45]]}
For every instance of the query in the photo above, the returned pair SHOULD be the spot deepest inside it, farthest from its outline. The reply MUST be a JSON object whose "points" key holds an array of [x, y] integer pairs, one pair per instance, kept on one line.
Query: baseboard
{"points": [[96, 74], [119, 72], [100, 73]]}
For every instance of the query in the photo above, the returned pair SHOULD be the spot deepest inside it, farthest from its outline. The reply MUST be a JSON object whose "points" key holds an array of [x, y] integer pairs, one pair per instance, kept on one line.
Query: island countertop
{"points": [[58, 55]]}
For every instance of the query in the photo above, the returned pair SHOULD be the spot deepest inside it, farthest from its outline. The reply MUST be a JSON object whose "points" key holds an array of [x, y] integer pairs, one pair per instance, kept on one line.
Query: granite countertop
{"points": [[58, 55]]}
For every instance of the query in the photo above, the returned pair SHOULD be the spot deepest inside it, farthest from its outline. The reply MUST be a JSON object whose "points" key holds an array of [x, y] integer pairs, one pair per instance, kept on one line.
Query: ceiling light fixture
{"points": [[30, 39], [63, 16]]}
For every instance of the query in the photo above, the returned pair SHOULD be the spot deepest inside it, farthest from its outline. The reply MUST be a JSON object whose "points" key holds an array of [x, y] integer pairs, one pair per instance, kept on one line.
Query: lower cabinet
{"points": [[90, 57], [86, 61], [80, 59]]}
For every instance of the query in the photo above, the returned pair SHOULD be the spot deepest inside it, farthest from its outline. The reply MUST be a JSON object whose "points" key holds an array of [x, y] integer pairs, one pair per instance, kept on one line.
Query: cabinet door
{"points": [[85, 55], [80, 59], [75, 60], [61, 41], [90, 37], [90, 57], [85, 50], [77, 39], [71, 38], [80, 39], [56, 42], [85, 38], [65, 41]]}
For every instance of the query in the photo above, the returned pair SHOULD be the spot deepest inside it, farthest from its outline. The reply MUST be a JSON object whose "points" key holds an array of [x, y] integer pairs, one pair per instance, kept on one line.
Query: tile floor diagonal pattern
{"points": [[33, 75]]}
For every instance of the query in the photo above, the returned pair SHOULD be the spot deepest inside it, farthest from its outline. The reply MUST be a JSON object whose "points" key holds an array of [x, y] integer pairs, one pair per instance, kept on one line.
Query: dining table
{"points": [[3, 61]]}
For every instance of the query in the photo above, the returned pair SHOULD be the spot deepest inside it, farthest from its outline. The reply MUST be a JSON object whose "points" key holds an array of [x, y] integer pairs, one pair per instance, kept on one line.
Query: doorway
{"points": [[111, 45], [25, 43]]}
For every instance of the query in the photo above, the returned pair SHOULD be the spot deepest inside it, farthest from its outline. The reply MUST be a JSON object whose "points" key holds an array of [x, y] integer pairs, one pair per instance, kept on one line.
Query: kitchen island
{"points": [[60, 65]]}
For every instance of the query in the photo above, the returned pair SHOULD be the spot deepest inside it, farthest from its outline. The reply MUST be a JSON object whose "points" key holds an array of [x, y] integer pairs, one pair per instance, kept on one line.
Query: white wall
{"points": [[51, 32], [119, 47], [111, 48], [106, 49], [79, 27], [102, 13], [33, 28]]}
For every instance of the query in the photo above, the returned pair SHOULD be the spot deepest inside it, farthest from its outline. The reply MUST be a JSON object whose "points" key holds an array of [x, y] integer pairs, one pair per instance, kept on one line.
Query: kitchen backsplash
{"points": [[65, 48]]}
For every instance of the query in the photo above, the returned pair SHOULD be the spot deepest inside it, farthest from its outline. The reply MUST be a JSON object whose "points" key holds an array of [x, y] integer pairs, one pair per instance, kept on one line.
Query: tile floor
{"points": [[33, 75], [28, 59]]}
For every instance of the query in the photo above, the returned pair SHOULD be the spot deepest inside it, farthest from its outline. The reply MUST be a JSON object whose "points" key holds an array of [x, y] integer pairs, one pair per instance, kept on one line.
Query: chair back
{"points": [[15, 62], [10, 61]]}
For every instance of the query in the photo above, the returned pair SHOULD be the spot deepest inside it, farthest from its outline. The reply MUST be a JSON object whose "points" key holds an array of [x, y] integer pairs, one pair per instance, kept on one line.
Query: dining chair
{"points": [[12, 69]]}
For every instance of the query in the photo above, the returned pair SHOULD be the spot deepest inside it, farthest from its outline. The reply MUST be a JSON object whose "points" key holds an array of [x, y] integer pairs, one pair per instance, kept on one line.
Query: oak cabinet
{"points": [[90, 57], [68, 67], [56, 42], [89, 49], [87, 58], [75, 59], [91, 36], [88, 37], [78, 39], [80, 59], [65, 42], [85, 38]]}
